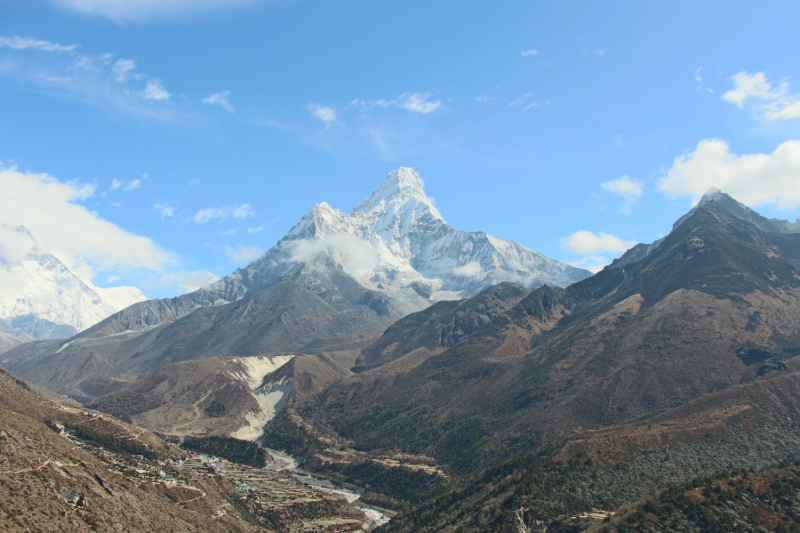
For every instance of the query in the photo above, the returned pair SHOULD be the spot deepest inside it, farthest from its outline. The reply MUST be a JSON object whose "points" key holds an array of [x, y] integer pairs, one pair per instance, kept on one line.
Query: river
{"points": [[283, 462]]}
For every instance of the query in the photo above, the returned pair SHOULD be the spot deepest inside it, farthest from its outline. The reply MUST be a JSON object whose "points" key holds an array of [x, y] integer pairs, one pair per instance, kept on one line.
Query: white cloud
{"points": [[520, 100], [194, 182], [165, 210], [122, 69], [587, 243], [470, 270], [530, 106], [253, 231], [483, 99], [413, 102], [754, 179], [242, 252], [133, 184], [627, 188], [185, 281], [50, 209], [141, 10], [780, 104], [324, 113], [592, 263], [350, 251], [599, 52], [126, 186], [418, 103], [530, 52], [220, 99], [153, 90], [22, 43], [701, 86], [239, 212]]}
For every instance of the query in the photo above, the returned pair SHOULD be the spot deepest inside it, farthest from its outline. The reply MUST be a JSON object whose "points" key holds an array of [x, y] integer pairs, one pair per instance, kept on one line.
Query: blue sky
{"points": [[163, 143]]}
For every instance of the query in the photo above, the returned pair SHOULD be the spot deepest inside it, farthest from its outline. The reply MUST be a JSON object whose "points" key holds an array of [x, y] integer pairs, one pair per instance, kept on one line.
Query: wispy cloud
{"points": [[165, 210], [242, 252], [414, 102], [701, 86], [408, 101], [24, 43], [126, 186], [144, 10], [239, 212], [780, 104], [530, 52], [520, 100], [122, 69], [96, 80], [524, 102], [220, 99], [153, 90], [483, 99], [599, 52], [184, 281], [630, 190], [253, 231], [326, 114]]}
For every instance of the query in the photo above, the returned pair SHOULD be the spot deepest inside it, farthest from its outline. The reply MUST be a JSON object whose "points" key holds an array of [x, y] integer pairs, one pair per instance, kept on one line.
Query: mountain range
{"points": [[334, 278], [713, 305], [457, 377]]}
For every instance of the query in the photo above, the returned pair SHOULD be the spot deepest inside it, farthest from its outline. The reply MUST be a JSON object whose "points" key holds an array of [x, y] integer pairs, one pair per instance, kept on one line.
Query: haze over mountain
{"points": [[42, 297], [333, 276]]}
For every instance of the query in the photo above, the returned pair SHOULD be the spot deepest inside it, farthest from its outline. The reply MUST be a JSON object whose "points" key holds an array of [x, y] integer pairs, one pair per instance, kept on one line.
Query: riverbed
{"points": [[286, 463]]}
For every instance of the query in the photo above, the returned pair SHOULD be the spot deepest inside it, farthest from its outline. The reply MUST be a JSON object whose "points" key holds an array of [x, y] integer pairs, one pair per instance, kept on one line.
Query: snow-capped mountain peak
{"points": [[401, 187], [40, 295], [396, 242]]}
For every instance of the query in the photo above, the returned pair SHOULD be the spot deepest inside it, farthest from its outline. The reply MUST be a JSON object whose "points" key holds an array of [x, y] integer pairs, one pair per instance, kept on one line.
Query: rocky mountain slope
{"points": [[42, 297], [315, 301], [10, 337], [50, 483], [713, 305]]}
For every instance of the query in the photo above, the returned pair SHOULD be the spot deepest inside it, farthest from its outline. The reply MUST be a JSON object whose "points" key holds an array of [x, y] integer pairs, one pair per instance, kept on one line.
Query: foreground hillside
{"points": [[66, 469], [49, 483]]}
